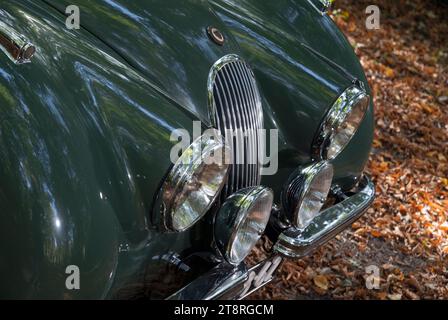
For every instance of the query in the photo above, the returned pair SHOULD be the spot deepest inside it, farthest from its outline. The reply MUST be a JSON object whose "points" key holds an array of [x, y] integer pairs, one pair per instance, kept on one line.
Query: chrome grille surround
{"points": [[235, 107]]}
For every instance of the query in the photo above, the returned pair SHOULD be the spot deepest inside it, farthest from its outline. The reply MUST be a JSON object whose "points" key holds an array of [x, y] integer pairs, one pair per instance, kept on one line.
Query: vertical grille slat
{"points": [[256, 105], [233, 126], [246, 113], [244, 124], [252, 126], [228, 125], [236, 107], [224, 119]]}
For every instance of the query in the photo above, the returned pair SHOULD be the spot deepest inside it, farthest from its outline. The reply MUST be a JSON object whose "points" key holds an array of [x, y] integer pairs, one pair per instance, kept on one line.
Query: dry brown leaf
{"points": [[389, 72], [375, 233], [395, 296], [321, 282]]}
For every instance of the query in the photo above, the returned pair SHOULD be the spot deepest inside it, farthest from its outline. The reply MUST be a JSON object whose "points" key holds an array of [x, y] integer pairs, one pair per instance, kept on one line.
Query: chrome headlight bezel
{"points": [[297, 192], [351, 100], [234, 215], [190, 164]]}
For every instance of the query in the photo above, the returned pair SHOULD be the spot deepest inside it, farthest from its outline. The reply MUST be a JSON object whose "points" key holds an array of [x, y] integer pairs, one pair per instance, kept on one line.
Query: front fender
{"points": [[84, 146]]}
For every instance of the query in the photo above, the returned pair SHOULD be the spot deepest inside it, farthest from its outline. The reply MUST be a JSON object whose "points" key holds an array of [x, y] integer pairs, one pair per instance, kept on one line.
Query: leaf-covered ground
{"points": [[405, 233]]}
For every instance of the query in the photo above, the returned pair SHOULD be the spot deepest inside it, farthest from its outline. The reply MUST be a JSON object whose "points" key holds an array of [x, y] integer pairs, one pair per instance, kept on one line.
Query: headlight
{"points": [[341, 123], [194, 183], [307, 192], [241, 221]]}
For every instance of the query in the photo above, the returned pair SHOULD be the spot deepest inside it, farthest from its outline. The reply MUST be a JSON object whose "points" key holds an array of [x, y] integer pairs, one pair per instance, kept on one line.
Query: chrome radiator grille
{"points": [[236, 111]]}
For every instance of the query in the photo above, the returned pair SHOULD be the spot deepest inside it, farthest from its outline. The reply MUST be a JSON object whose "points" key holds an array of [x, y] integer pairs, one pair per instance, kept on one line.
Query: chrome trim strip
{"points": [[295, 243], [16, 47]]}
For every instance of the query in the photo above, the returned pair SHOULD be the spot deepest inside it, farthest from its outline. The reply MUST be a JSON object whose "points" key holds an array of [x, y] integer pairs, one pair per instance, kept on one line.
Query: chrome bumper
{"points": [[296, 243], [222, 282], [229, 282]]}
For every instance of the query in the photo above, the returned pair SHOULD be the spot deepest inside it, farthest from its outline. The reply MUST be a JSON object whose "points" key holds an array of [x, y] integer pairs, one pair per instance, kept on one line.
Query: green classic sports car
{"points": [[148, 149]]}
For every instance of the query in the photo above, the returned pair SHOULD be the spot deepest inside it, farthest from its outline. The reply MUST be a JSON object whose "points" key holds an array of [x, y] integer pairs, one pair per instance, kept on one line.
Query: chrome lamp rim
{"points": [[184, 168], [304, 180], [335, 117], [242, 202]]}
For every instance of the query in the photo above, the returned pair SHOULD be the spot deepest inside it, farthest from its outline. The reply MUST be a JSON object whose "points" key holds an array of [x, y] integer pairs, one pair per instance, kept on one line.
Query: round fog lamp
{"points": [[241, 222], [306, 194]]}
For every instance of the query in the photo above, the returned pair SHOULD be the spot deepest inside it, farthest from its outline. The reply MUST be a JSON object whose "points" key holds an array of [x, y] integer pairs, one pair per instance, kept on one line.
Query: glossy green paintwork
{"points": [[85, 130]]}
